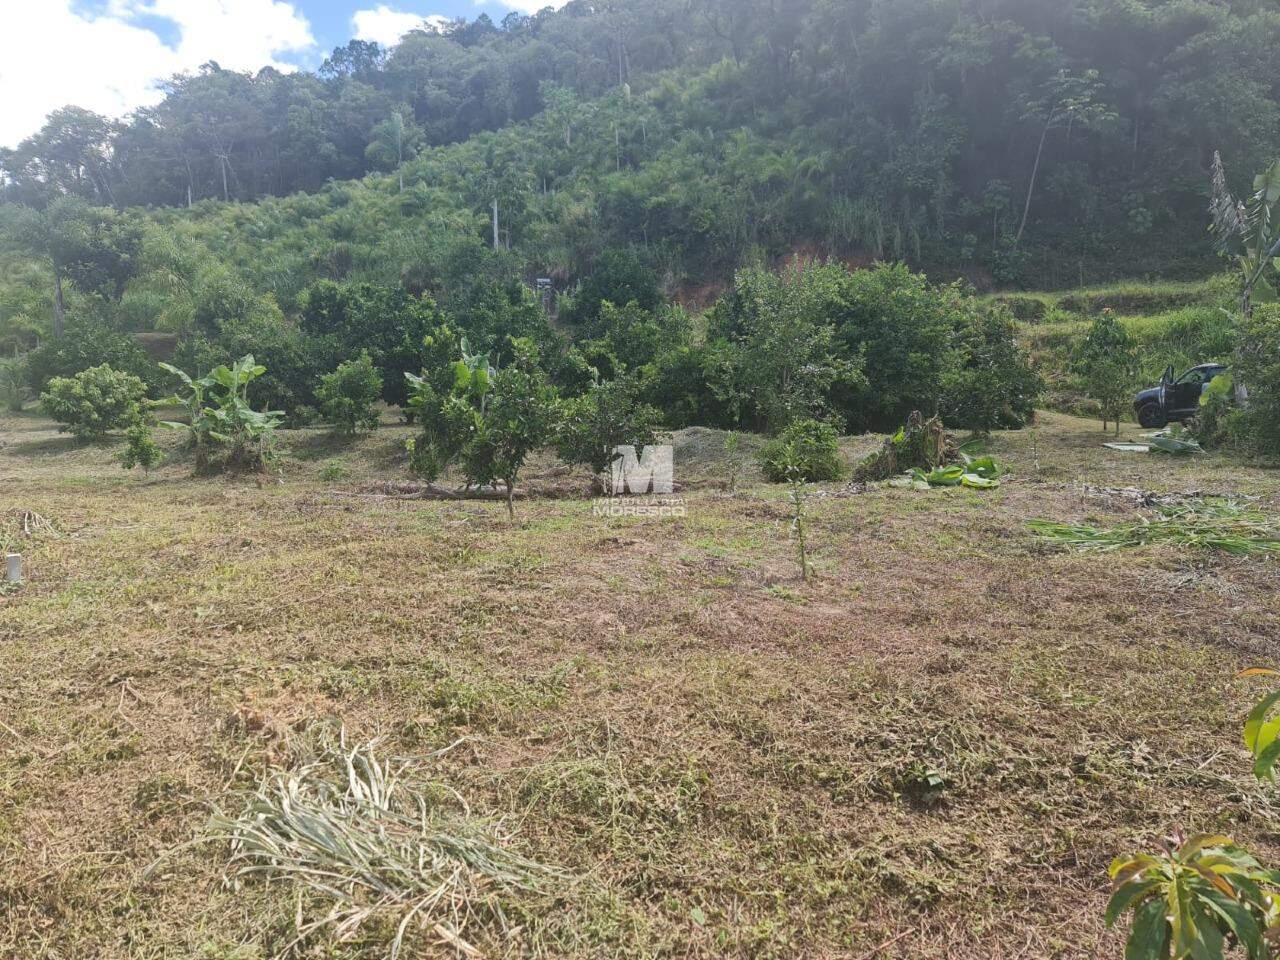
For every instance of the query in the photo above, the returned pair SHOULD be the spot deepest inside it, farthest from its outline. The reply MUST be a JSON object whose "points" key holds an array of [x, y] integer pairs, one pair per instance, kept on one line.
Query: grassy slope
{"points": [[1178, 324], [658, 706]]}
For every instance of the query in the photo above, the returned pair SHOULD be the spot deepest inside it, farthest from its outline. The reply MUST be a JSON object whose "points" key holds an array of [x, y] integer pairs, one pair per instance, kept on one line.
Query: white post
{"points": [[13, 567]]}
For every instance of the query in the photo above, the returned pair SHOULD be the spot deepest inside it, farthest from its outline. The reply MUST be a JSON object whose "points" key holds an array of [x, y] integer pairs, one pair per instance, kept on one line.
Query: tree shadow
{"points": [[319, 444], [53, 446]]}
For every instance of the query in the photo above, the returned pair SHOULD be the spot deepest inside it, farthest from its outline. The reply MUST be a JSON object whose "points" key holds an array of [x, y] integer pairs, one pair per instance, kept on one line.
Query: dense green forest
{"points": [[1016, 139], [637, 156]]}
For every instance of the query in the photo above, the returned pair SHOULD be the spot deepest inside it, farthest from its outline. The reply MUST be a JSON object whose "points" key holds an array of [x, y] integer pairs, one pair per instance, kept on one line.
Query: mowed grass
{"points": [[934, 748]]}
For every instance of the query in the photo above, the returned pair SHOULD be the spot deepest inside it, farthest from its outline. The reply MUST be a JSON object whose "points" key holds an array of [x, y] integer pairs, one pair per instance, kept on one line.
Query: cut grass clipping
{"points": [[1209, 525], [352, 830]]}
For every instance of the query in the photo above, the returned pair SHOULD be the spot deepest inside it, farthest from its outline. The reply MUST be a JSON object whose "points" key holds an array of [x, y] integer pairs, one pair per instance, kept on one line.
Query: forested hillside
{"points": [[1040, 142], [634, 163]]}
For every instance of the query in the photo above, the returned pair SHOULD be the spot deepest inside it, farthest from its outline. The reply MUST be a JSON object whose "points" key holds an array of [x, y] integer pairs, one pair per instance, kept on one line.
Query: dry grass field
{"points": [[932, 750]]}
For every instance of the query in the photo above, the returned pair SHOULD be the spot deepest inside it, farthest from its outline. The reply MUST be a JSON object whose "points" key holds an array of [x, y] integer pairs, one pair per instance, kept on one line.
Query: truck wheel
{"points": [[1151, 416]]}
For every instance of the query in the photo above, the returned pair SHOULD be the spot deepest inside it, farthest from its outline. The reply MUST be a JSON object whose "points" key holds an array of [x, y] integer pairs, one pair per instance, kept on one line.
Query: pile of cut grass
{"points": [[350, 828], [1221, 525]]}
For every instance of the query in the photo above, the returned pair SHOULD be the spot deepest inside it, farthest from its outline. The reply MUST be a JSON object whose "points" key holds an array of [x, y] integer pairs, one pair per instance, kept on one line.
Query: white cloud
{"points": [[386, 26], [239, 34], [51, 56], [529, 6]]}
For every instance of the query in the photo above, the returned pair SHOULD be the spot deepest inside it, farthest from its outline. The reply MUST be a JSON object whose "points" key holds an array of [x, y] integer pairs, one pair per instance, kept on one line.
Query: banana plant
{"points": [[192, 400], [218, 410], [1248, 231], [473, 377]]}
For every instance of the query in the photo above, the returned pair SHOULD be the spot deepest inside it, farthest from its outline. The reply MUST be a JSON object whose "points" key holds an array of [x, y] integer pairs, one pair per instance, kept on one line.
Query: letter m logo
{"points": [[650, 472]]}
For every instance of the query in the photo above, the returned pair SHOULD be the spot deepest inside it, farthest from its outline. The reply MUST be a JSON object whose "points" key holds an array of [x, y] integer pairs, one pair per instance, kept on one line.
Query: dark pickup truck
{"points": [[1174, 400]]}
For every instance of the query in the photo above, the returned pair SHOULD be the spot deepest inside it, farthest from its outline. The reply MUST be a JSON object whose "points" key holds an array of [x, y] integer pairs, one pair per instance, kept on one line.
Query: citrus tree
{"points": [[94, 402], [488, 422], [348, 394], [1107, 361]]}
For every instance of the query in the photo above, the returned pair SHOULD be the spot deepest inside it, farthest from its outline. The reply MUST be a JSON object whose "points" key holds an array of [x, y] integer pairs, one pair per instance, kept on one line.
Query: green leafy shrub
{"points": [[13, 382], [94, 402], [1194, 899], [806, 450], [443, 400], [88, 343], [1188, 900], [386, 321], [618, 277], [1256, 365], [141, 450], [607, 416], [347, 396], [334, 471], [629, 340], [905, 330], [993, 384], [677, 385], [1216, 406], [773, 356], [519, 417], [293, 359]]}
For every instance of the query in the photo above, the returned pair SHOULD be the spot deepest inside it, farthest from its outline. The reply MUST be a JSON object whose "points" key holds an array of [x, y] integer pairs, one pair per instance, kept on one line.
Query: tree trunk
{"points": [[511, 508], [1035, 170], [495, 223], [225, 193], [59, 305]]}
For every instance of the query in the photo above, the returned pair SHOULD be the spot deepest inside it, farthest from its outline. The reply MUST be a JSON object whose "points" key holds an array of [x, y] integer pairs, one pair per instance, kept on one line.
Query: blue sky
{"points": [[331, 20], [110, 55]]}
